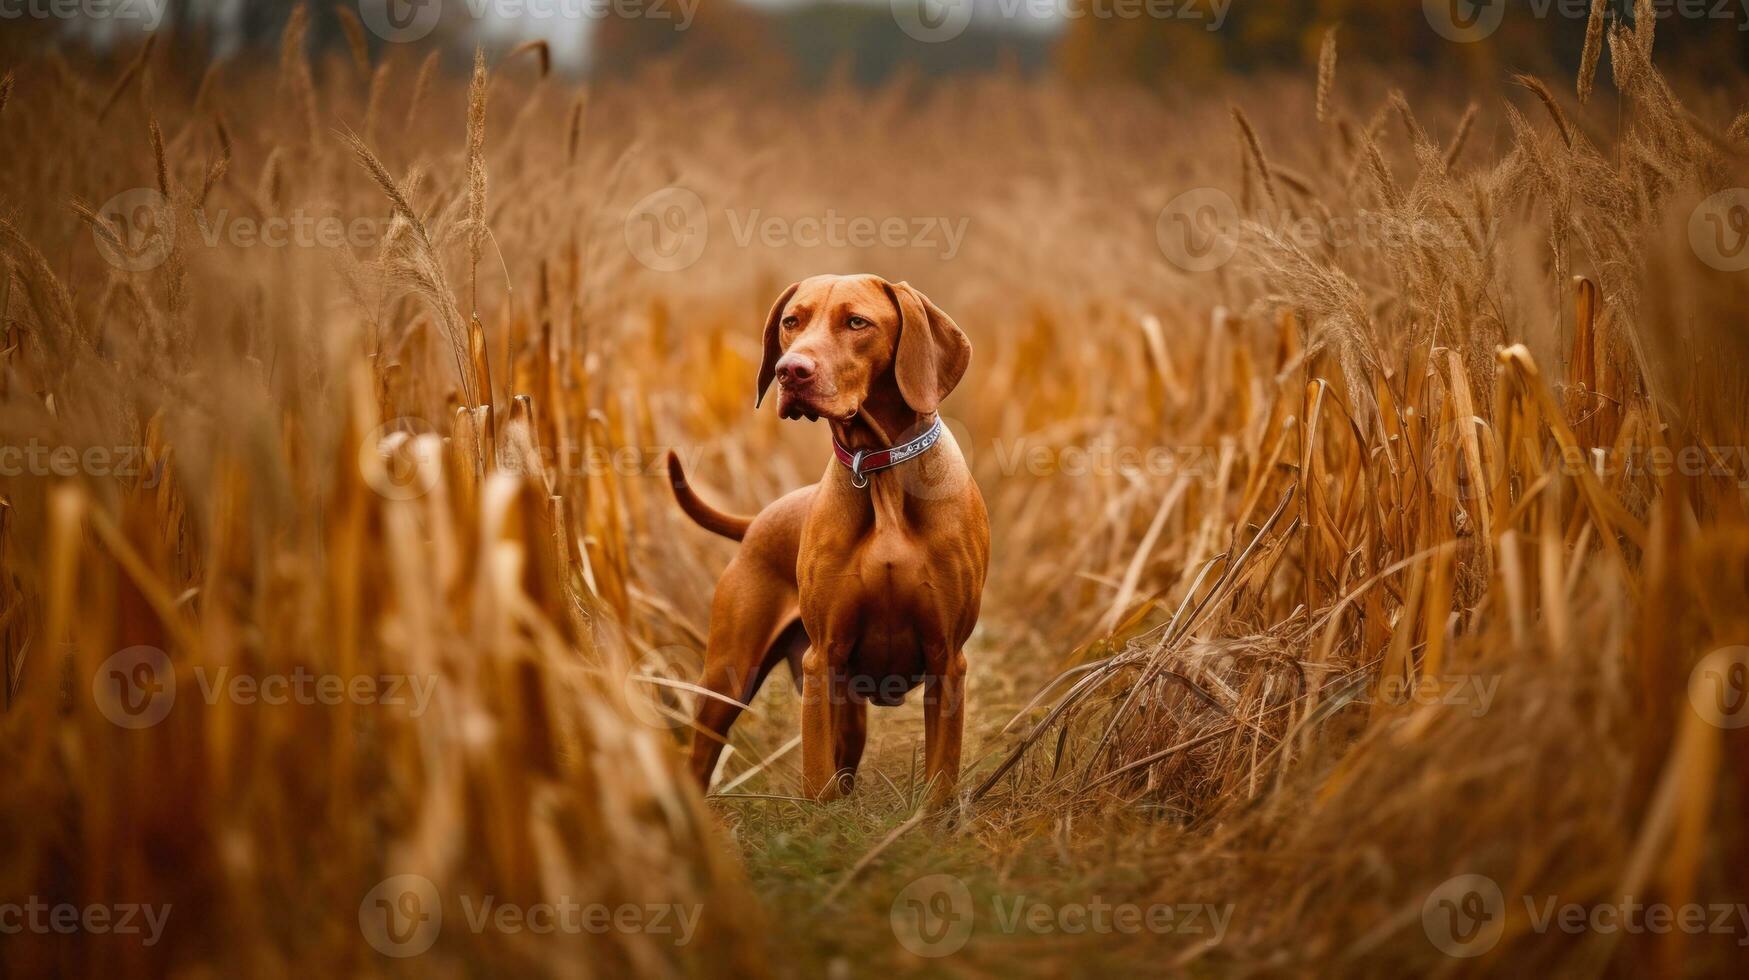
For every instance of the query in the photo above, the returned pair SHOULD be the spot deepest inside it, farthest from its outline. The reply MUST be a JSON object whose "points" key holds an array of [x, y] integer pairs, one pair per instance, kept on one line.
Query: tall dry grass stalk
{"points": [[1254, 147], [285, 518], [356, 42], [1407, 456], [475, 228], [1588, 58], [1439, 508], [296, 84], [1326, 74]]}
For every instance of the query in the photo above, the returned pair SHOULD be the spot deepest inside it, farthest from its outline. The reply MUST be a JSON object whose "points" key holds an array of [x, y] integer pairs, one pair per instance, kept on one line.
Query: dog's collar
{"points": [[862, 462]]}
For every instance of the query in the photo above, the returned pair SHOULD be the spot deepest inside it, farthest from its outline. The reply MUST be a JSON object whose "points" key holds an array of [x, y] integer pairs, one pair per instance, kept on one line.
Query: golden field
{"points": [[1405, 547]]}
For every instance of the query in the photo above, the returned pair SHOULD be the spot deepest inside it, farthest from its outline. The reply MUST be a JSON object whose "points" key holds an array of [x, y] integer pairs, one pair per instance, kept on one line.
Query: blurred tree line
{"points": [[1253, 35], [1534, 35], [808, 40]]}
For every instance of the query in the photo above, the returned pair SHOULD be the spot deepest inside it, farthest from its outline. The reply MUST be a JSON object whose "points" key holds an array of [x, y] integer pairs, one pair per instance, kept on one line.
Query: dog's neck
{"points": [[883, 421]]}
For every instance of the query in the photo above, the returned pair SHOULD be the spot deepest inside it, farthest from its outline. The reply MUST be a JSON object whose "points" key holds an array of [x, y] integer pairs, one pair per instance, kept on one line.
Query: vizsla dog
{"points": [[876, 571]]}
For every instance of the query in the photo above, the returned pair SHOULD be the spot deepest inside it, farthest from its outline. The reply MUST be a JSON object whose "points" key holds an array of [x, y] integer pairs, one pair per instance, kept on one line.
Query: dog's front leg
{"points": [[944, 719], [819, 721]]}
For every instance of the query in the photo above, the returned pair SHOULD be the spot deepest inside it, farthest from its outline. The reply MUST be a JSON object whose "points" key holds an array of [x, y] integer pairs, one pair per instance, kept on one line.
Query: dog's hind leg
{"points": [[749, 621]]}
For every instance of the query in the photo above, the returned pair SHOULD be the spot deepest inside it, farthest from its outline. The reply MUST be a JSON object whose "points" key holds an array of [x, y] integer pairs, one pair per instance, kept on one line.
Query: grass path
{"points": [[824, 922]]}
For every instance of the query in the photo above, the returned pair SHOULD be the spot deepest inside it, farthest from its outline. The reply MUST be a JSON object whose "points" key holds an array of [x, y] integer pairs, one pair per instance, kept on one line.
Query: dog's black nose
{"points": [[795, 369]]}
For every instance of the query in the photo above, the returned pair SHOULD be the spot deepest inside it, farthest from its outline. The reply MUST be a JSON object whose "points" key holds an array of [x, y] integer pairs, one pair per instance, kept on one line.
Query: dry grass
{"points": [[1370, 494]]}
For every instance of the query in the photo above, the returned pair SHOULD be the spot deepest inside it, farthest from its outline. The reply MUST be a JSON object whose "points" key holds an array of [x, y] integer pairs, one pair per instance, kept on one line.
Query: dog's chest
{"points": [[887, 598]]}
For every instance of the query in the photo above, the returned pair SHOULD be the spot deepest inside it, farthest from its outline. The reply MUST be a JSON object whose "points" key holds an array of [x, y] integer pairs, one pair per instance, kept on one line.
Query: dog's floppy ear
{"points": [[933, 350], [773, 349]]}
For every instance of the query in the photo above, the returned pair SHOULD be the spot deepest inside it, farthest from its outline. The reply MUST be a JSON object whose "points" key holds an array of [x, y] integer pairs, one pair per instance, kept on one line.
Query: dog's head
{"points": [[832, 341]]}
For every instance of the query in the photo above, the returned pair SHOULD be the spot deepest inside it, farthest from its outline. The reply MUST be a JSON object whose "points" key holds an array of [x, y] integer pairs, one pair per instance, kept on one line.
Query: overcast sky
{"points": [[568, 35], [569, 39]]}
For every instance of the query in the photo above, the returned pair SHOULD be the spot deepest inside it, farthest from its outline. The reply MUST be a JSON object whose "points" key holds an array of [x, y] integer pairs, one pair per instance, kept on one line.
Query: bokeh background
{"points": [[1085, 41], [1361, 412]]}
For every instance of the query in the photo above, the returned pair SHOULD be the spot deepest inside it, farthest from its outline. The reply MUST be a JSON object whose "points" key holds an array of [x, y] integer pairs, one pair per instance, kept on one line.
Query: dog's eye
{"points": [[857, 323], [790, 321]]}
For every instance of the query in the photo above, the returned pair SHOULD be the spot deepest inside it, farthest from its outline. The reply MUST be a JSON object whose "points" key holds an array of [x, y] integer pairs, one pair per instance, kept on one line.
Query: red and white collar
{"points": [[862, 462]]}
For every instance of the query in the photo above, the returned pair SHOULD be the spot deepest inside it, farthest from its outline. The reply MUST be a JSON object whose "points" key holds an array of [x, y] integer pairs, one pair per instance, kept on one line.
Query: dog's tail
{"points": [[708, 517]]}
